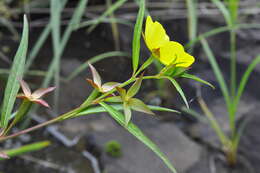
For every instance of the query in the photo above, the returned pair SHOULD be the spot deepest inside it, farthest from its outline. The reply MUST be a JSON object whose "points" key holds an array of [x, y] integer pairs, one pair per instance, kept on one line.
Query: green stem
{"points": [[145, 65], [22, 111], [71, 113], [233, 62], [90, 98], [233, 78], [214, 124]]}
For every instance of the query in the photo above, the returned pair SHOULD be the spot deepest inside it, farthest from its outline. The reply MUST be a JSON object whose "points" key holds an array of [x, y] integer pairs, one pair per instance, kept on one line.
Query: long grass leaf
{"points": [[17, 70], [41, 40], [224, 11], [105, 20], [244, 79], [112, 8], [221, 30], [26, 148], [94, 60], [137, 36], [192, 18], [190, 76], [74, 21], [119, 107], [134, 130], [217, 72], [55, 33]]}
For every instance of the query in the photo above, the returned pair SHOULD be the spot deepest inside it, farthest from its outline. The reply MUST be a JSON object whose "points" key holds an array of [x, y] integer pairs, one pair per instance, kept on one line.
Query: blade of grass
{"points": [[41, 40], [30, 73], [55, 33], [105, 20], [10, 27], [220, 30], [195, 114], [192, 18], [112, 8], [119, 107], [217, 72], [134, 130], [94, 60], [137, 36], [224, 11], [233, 9], [178, 88], [55, 62], [139, 3], [17, 70], [74, 21], [26, 148], [114, 28], [240, 131], [244, 79], [213, 122]]}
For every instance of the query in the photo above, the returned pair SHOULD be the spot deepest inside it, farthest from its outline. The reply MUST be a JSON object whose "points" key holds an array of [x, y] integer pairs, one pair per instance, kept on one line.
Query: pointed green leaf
{"points": [[114, 99], [122, 92], [178, 71], [17, 70], [99, 109], [138, 105], [26, 148], [148, 62], [133, 90], [178, 88], [244, 79], [137, 36], [127, 113], [134, 130], [189, 76]]}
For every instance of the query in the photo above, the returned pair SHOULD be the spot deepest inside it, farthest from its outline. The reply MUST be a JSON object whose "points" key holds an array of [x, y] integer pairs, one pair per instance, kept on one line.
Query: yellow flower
{"points": [[168, 52]]}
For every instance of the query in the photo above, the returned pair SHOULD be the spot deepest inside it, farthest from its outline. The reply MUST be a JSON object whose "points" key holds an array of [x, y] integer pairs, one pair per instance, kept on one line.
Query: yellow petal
{"points": [[169, 52], [155, 35], [173, 52], [185, 60]]}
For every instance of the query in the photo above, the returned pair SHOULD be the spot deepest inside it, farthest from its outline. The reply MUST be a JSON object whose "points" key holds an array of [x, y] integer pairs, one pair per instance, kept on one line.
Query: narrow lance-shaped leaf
{"points": [[26, 148], [178, 88], [133, 90], [137, 36], [217, 72], [134, 130], [244, 79], [17, 70], [127, 113], [190, 76], [140, 106], [99, 109]]}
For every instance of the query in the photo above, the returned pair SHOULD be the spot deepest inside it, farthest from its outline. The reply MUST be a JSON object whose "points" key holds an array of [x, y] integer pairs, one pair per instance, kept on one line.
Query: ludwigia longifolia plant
{"points": [[170, 53], [232, 94]]}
